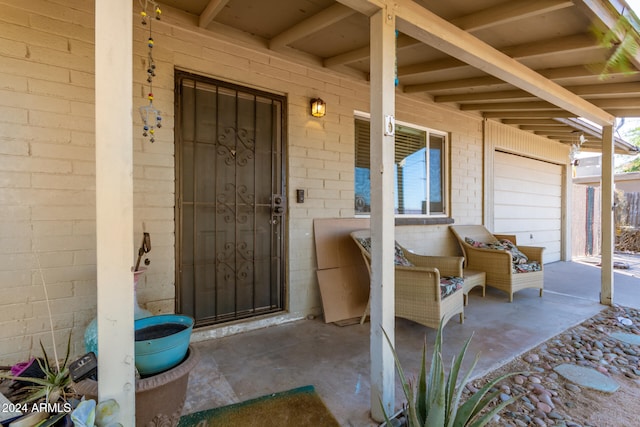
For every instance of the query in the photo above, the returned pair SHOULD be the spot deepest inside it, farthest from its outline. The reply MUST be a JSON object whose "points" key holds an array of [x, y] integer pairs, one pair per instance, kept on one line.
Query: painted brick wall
{"points": [[47, 166]]}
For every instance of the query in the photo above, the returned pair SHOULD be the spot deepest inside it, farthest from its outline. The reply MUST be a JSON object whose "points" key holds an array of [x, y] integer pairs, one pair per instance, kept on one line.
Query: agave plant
{"points": [[52, 386], [435, 401]]}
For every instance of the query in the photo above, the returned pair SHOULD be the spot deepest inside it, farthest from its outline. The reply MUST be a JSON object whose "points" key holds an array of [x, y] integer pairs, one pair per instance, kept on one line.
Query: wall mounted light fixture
{"points": [[318, 107]]}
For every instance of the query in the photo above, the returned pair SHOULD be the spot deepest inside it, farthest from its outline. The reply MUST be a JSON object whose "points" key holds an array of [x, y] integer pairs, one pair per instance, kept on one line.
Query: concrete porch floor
{"points": [[335, 359]]}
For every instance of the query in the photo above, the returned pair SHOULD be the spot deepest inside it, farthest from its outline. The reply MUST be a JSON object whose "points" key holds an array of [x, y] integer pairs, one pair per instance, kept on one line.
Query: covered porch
{"points": [[444, 45], [488, 77], [336, 359]]}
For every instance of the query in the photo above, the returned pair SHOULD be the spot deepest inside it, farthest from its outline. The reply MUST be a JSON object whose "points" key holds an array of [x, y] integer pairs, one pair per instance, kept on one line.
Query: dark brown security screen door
{"points": [[230, 208]]}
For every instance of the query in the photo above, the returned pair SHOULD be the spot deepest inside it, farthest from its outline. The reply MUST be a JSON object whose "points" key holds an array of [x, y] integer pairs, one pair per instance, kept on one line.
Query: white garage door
{"points": [[528, 202]]}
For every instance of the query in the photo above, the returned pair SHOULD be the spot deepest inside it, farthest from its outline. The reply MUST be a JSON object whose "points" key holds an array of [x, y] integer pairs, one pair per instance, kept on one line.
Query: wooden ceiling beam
{"points": [[554, 45], [484, 81], [540, 48], [509, 106], [544, 122], [574, 71], [564, 136], [484, 96], [214, 7], [403, 41], [629, 89], [618, 103], [430, 66], [501, 14], [528, 114], [508, 11], [365, 7], [545, 128], [329, 16], [624, 112]]}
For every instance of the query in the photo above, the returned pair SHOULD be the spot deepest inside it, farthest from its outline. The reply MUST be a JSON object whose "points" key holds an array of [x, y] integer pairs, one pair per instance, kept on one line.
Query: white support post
{"points": [[382, 311], [114, 204], [606, 185]]}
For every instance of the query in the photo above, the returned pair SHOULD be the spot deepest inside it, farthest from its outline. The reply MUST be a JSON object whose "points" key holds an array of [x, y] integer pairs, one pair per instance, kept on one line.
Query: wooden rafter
{"points": [[500, 14], [315, 23], [527, 114], [610, 89], [552, 46], [210, 12], [508, 11], [509, 106], [361, 53], [570, 72]]}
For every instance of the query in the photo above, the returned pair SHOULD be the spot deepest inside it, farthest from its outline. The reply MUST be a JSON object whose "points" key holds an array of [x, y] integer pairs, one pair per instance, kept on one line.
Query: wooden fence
{"points": [[629, 210], [585, 221], [585, 224]]}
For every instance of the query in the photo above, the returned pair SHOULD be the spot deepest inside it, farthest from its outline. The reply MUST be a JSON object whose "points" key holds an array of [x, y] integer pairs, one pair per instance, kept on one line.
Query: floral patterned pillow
{"points": [[527, 268], [450, 284], [400, 258], [520, 262], [516, 256]]}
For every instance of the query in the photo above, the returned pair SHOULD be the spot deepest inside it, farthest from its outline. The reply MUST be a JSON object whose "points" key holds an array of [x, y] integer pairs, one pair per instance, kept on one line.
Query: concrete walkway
{"points": [[336, 359]]}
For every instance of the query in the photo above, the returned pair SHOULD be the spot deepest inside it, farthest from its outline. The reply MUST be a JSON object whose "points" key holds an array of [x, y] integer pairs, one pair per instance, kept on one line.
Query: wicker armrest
{"points": [[417, 283], [487, 259], [447, 265], [534, 253]]}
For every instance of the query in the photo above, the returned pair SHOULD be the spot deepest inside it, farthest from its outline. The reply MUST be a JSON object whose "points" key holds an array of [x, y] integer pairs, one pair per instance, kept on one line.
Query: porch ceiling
{"points": [[547, 41]]}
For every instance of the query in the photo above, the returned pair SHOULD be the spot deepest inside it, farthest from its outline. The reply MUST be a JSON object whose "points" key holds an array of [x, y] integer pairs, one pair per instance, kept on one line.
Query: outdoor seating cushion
{"points": [[399, 259], [450, 284], [520, 262]]}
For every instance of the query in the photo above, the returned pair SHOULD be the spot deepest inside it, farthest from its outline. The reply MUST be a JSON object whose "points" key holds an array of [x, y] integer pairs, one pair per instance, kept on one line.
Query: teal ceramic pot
{"points": [[161, 342]]}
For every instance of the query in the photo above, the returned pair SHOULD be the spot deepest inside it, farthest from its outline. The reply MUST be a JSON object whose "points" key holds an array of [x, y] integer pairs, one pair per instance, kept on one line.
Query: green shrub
{"points": [[435, 400]]}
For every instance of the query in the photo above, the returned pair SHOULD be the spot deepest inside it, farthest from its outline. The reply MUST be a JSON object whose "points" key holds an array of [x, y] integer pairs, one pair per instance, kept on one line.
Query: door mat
{"points": [[300, 407]]}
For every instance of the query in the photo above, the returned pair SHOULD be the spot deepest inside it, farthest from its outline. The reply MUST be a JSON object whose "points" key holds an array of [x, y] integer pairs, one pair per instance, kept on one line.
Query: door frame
{"points": [[284, 245]]}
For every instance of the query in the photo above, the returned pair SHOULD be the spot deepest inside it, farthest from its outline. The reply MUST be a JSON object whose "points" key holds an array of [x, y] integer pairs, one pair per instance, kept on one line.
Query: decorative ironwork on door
{"points": [[230, 204]]}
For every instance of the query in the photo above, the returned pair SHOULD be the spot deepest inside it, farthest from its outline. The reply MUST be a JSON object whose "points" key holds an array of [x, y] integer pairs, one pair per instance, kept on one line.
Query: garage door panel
{"points": [[542, 175], [521, 199], [527, 212], [516, 186], [515, 226], [528, 202]]}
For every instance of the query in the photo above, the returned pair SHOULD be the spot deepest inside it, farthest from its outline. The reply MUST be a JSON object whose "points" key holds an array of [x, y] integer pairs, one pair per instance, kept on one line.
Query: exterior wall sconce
{"points": [[318, 107]]}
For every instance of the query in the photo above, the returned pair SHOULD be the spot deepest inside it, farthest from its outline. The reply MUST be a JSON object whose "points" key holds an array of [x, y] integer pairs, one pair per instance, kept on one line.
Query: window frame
{"points": [[446, 165]]}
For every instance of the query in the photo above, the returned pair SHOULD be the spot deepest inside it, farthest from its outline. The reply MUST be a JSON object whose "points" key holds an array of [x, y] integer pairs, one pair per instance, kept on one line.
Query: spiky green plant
{"points": [[623, 41], [53, 386], [435, 400]]}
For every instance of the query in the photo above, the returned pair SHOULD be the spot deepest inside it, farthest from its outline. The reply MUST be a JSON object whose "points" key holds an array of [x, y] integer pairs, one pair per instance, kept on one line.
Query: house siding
{"points": [[47, 164]]}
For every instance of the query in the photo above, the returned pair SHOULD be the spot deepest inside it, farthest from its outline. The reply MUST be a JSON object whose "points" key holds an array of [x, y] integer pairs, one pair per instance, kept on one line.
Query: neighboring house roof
{"points": [[594, 180], [533, 65]]}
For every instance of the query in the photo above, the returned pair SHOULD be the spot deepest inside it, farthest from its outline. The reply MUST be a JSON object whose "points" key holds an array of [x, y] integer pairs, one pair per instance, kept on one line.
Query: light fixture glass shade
{"points": [[318, 107]]}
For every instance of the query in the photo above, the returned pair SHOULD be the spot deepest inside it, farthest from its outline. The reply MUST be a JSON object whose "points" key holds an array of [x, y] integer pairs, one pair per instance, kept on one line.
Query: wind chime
{"points": [[576, 146], [151, 117]]}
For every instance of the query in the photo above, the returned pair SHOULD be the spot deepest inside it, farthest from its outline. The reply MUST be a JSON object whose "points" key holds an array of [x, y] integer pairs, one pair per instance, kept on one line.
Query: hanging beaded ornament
{"points": [[151, 117]]}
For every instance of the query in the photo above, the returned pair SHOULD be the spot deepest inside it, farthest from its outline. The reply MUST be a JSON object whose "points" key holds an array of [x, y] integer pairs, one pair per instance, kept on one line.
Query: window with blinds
{"points": [[419, 167]]}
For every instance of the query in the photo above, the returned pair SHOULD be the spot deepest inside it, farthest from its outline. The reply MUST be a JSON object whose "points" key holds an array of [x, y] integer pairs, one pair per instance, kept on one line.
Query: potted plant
{"points": [[435, 401], [159, 398]]}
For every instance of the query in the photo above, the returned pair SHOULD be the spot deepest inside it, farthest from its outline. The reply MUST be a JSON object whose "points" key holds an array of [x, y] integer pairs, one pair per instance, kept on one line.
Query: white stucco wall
{"points": [[47, 167]]}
